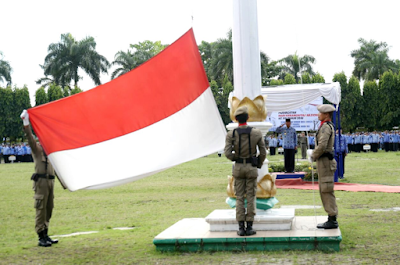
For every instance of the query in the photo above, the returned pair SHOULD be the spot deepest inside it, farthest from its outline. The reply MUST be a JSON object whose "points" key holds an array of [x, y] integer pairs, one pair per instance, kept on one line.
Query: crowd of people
{"points": [[349, 142], [15, 153]]}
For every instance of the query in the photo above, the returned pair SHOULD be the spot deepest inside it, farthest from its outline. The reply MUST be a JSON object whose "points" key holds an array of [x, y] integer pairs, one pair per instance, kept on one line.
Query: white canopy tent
{"points": [[290, 97]]}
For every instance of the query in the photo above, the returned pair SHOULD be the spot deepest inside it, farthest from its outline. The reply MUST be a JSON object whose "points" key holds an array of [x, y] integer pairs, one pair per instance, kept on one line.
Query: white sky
{"points": [[327, 30]]}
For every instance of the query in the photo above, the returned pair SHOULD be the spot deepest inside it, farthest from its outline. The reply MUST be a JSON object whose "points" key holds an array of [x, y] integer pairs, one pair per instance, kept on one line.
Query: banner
{"points": [[302, 119]]}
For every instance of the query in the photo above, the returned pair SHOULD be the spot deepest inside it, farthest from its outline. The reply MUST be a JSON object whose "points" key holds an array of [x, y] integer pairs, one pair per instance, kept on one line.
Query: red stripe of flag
{"points": [[162, 86]]}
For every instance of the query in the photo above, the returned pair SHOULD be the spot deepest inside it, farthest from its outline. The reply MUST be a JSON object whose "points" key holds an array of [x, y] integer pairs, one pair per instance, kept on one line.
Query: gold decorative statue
{"points": [[265, 187], [256, 108]]}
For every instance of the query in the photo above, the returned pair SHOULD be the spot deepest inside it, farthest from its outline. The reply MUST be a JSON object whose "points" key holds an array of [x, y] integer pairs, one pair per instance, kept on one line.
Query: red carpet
{"points": [[307, 185]]}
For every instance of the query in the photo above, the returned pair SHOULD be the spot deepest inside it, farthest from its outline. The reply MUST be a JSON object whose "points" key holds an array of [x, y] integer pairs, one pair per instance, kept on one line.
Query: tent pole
{"points": [[341, 158], [336, 178]]}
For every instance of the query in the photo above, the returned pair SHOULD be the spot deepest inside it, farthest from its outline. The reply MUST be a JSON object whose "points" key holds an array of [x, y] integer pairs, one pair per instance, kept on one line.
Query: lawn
{"points": [[193, 189]]}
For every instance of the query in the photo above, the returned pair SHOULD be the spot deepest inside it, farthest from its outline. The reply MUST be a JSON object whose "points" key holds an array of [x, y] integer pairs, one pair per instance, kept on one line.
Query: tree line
{"points": [[376, 108]]}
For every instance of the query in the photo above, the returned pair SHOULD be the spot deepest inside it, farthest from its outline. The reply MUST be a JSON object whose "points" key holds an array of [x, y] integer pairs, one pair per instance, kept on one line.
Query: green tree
{"points": [[221, 96], [4, 104], [21, 101], [221, 65], [54, 92], [289, 79], [12, 102], [126, 62], [269, 69], [7, 111], [66, 57], [142, 52], [371, 102], [206, 49], [389, 86], [306, 78], [76, 90], [47, 80], [148, 48], [294, 64], [275, 82], [41, 96], [5, 70], [66, 90], [347, 102], [354, 94], [318, 78], [371, 60]]}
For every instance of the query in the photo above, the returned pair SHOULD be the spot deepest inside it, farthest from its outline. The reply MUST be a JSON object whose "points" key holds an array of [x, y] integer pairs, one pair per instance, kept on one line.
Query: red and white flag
{"points": [[157, 116]]}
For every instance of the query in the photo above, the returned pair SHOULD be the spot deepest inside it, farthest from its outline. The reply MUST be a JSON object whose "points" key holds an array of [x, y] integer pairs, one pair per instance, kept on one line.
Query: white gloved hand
{"points": [[309, 155], [25, 117]]}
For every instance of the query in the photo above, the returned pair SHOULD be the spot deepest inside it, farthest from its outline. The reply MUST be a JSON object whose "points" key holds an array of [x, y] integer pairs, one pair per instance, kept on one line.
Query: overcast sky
{"points": [[327, 30]]}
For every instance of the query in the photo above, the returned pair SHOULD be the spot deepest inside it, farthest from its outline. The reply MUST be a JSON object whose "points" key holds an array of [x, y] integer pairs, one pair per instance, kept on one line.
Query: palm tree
{"points": [[62, 80], [66, 57], [5, 70], [222, 59], [294, 65], [130, 60], [371, 60], [127, 62], [218, 61], [269, 69]]}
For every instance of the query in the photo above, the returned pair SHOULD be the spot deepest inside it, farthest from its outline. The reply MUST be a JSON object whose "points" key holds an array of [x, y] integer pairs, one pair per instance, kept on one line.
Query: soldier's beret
{"points": [[241, 110], [325, 108]]}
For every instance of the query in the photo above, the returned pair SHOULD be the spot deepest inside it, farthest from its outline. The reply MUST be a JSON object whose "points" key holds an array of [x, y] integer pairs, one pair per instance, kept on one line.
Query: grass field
{"points": [[193, 189]]}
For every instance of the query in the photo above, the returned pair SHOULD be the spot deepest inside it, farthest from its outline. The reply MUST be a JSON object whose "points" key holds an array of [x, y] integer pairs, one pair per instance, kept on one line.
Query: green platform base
{"points": [[191, 235]]}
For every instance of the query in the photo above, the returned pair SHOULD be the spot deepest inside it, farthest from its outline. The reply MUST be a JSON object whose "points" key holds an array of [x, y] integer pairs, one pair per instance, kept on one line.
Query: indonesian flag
{"points": [[157, 116]]}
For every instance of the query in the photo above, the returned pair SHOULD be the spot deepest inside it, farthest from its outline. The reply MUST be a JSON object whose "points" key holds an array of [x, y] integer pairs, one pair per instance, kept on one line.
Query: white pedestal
{"points": [[269, 220]]}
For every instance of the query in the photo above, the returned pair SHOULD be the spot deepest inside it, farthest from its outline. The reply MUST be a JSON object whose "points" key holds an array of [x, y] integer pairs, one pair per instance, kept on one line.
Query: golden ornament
{"points": [[256, 108]]}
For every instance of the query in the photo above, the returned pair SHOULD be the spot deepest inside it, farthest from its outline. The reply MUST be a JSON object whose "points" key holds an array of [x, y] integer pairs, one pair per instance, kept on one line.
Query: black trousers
{"points": [[374, 147], [272, 150], [395, 147], [386, 146], [289, 159], [359, 148]]}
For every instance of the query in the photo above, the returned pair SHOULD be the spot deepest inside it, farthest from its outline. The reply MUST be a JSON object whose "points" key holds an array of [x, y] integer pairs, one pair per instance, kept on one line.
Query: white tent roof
{"points": [[290, 97]]}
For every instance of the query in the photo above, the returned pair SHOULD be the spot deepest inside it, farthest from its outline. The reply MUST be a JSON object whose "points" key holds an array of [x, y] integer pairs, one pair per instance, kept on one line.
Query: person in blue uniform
{"points": [[289, 144], [340, 148], [6, 153], [374, 142], [358, 142], [350, 142], [396, 140], [311, 141], [386, 140], [29, 153], [365, 140], [391, 141], [273, 144]]}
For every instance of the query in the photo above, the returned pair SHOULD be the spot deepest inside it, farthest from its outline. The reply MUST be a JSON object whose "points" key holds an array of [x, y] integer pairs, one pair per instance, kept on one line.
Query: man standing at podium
{"points": [[289, 145]]}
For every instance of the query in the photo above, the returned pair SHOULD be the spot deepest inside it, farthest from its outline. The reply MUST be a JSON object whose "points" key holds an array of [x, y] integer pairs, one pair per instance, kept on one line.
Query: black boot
{"points": [[241, 231], [249, 229], [55, 241], [42, 240], [330, 224]]}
